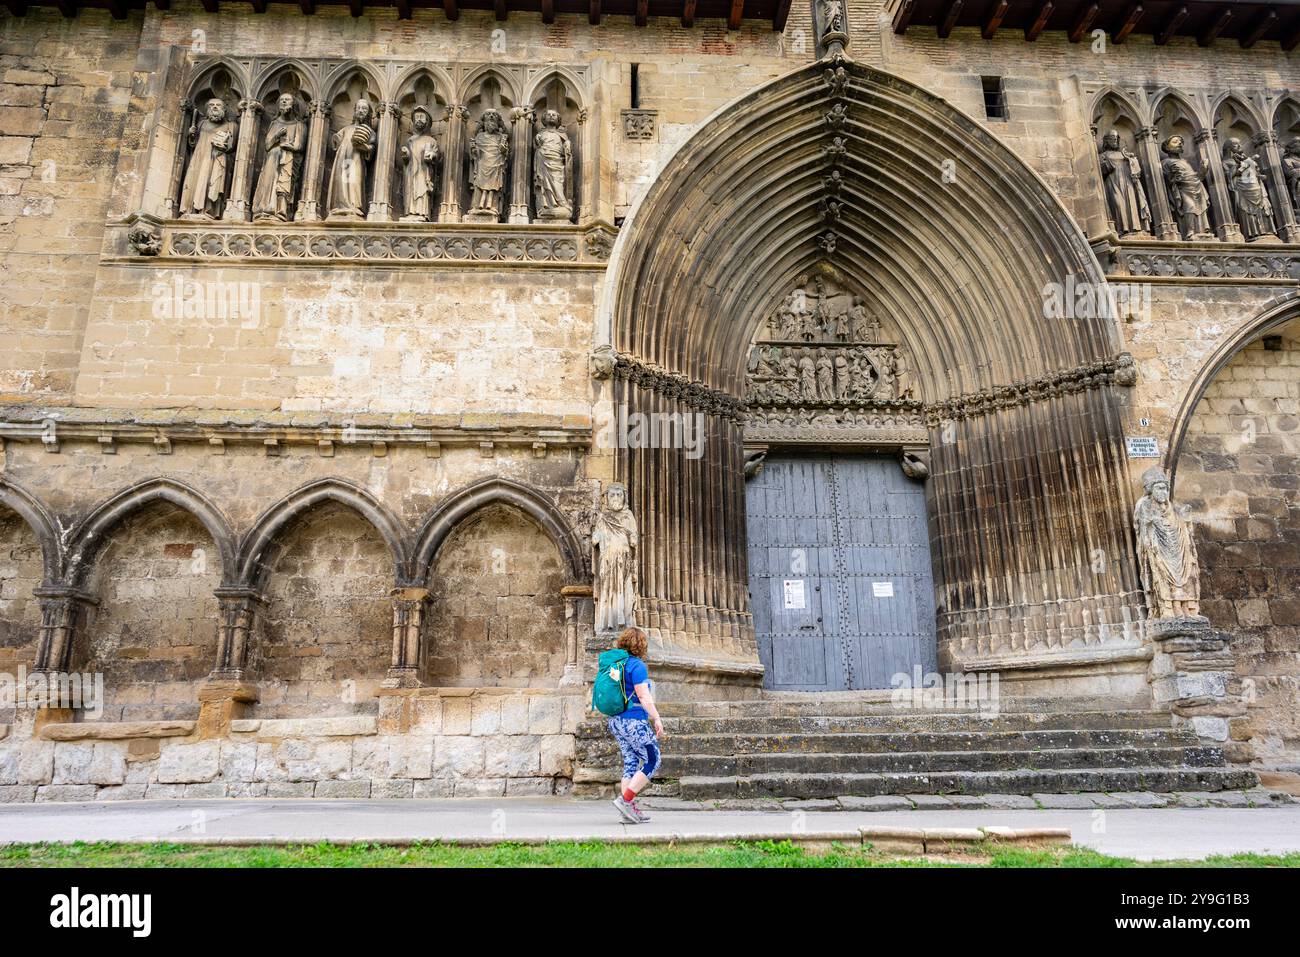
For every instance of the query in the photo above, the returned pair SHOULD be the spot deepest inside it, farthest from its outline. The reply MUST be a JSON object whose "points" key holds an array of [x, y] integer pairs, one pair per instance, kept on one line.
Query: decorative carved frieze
{"points": [[639, 125], [1207, 263], [693, 395], [366, 243]]}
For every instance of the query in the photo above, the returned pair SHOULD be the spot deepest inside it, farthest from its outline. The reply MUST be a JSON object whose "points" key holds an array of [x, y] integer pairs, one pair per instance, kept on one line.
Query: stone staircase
{"points": [[790, 746]]}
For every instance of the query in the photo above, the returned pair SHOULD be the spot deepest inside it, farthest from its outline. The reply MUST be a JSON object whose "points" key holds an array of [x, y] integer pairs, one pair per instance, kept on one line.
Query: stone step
{"points": [[841, 704], [1019, 781], [686, 766], [902, 723], [889, 742]]}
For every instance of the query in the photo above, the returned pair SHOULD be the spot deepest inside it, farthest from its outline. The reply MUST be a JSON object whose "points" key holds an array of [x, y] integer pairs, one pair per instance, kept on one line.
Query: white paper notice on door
{"points": [[794, 593], [882, 589]]}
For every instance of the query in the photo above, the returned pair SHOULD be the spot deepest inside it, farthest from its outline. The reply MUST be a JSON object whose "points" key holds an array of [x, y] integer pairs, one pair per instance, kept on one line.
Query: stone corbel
{"points": [[410, 603], [144, 233], [313, 172], [241, 188], [603, 361], [578, 618], [915, 463], [236, 619], [521, 149], [63, 613]]}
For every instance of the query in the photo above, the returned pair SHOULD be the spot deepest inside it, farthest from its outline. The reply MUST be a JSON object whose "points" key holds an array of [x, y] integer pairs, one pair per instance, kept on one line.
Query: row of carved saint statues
{"points": [[1189, 198], [212, 136]]}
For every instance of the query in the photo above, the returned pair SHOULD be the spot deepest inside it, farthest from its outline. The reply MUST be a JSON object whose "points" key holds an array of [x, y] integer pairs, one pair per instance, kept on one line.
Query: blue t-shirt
{"points": [[634, 673]]}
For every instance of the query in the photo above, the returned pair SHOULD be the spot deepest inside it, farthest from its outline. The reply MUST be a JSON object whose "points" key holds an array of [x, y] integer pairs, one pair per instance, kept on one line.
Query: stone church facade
{"points": [[330, 330]]}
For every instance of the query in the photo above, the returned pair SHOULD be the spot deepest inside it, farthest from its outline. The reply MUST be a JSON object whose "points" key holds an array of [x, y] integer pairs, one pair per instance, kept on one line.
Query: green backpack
{"points": [[607, 694]]}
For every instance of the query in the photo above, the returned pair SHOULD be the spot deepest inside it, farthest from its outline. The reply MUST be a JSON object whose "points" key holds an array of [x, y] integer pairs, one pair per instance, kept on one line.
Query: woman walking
{"points": [[637, 740]]}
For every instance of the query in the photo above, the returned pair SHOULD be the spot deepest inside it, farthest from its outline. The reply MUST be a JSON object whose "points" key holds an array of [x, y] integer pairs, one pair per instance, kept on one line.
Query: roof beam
{"points": [[68, 8], [1209, 34], [1261, 27], [404, 11], [1131, 20], [995, 18], [643, 13], [903, 17], [356, 7], [737, 11], [17, 8], [117, 9], [1040, 22], [781, 17], [950, 18], [210, 6], [548, 11], [259, 6], [1083, 23], [501, 10], [688, 13], [593, 13], [451, 9], [1171, 27], [308, 7], [1291, 40]]}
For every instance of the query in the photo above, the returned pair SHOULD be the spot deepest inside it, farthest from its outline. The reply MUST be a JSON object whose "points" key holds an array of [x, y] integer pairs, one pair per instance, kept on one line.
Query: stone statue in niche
{"points": [[1166, 551], [1188, 196], [1249, 197], [212, 143], [489, 152], [614, 543], [832, 16], [354, 145], [283, 146], [420, 159], [1122, 175], [1291, 168], [552, 169]]}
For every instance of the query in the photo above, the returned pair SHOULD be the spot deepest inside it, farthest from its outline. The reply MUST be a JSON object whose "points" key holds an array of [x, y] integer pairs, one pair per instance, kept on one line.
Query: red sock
{"points": [[628, 794]]}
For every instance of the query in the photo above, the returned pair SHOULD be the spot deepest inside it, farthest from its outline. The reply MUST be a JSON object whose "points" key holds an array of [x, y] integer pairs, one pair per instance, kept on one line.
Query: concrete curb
{"points": [[904, 840]]}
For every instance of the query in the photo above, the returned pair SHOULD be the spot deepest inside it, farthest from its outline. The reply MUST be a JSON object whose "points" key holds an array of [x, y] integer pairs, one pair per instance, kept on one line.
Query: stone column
{"points": [[1193, 675], [381, 203], [453, 166], [577, 613], [236, 617], [1220, 197], [1164, 225], [241, 188], [313, 172], [587, 171], [63, 612], [1283, 212], [409, 604], [521, 148], [178, 162]]}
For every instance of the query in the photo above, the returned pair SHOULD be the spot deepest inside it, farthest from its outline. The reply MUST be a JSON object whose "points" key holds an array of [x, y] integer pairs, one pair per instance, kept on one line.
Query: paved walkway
{"points": [[1146, 834]]}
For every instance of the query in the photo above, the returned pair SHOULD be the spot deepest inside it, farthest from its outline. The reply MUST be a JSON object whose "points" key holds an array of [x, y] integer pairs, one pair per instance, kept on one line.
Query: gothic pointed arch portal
{"points": [[952, 237]]}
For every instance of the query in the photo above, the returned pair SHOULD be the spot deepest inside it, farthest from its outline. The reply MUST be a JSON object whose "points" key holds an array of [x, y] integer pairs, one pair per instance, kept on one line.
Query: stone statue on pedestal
{"points": [[1291, 167], [1253, 207], [489, 152], [614, 542], [353, 145], [420, 158], [212, 141], [1122, 175], [552, 169], [1166, 551], [1188, 196], [284, 143]]}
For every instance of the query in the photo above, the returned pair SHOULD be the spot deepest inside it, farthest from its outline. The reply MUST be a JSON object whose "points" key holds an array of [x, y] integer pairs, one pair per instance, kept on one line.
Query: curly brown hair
{"points": [[633, 641]]}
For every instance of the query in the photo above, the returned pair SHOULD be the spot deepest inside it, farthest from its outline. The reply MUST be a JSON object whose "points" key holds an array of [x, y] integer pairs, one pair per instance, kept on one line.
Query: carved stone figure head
{"points": [[1233, 147], [1173, 146], [285, 104], [421, 119], [1111, 140], [215, 109], [1292, 147], [1156, 484], [362, 112], [551, 119], [616, 496], [491, 121]]}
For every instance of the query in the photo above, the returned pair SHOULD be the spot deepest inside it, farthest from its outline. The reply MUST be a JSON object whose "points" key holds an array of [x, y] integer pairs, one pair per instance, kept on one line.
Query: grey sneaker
{"points": [[637, 807], [629, 811]]}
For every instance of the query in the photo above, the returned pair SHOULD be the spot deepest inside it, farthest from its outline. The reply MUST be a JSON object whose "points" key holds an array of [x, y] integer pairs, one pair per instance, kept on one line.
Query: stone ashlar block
{"points": [[72, 763], [458, 757], [189, 763], [343, 789], [544, 714], [512, 756], [108, 765]]}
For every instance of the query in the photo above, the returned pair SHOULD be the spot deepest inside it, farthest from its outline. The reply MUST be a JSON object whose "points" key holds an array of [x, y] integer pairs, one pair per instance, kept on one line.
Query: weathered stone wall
{"points": [[497, 616], [326, 628], [64, 90], [1240, 472], [20, 612], [153, 634]]}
